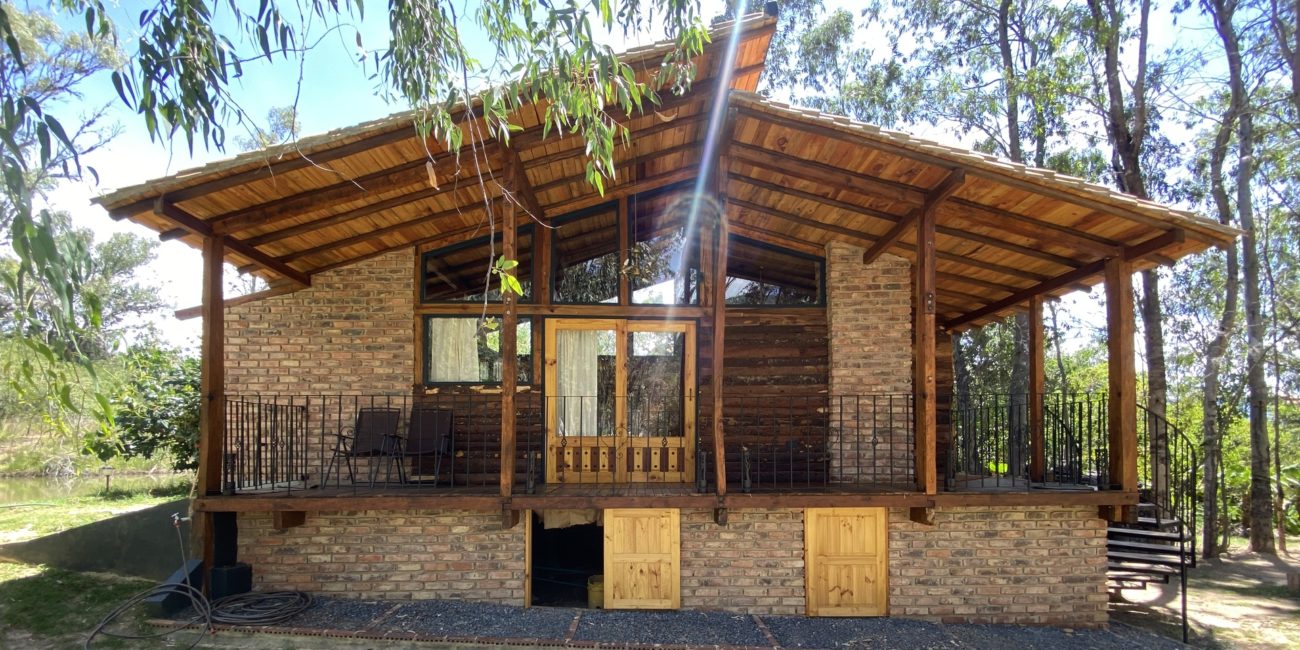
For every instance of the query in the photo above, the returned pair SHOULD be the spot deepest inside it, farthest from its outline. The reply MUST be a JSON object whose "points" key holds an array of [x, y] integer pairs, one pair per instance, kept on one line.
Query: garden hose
{"points": [[250, 609]]}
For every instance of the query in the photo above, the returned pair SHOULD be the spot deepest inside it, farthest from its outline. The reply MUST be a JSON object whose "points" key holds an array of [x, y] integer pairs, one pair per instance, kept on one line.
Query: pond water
{"points": [[38, 489]]}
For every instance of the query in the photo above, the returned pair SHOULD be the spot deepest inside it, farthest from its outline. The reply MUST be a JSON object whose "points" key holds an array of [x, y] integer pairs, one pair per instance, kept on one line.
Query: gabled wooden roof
{"points": [[795, 178]]}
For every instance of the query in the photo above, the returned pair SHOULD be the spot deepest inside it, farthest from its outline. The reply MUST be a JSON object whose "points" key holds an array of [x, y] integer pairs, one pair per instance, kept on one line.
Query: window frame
{"points": [[426, 352], [422, 275], [820, 261]]}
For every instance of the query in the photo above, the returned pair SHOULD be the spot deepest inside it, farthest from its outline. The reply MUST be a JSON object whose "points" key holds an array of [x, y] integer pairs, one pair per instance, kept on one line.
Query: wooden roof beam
{"points": [[517, 185], [867, 240], [386, 230], [1131, 254], [947, 187], [449, 187], [166, 209], [786, 164], [1004, 178]]}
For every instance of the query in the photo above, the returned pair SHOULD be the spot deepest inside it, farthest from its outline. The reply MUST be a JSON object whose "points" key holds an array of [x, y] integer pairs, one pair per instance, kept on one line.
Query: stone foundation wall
{"points": [[389, 555], [753, 565], [1022, 565]]}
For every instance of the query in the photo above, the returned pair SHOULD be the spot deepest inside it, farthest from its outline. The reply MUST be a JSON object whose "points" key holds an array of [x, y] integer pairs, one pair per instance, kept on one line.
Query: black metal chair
{"points": [[429, 432], [373, 436]]}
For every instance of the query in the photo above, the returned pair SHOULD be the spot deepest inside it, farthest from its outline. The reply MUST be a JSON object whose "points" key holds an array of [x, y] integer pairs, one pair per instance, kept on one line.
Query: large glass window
{"points": [[664, 261], [459, 273], [467, 350], [585, 251], [761, 274]]}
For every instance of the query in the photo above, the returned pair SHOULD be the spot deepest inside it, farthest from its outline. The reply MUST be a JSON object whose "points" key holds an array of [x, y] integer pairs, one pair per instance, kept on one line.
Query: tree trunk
{"points": [[1157, 390]]}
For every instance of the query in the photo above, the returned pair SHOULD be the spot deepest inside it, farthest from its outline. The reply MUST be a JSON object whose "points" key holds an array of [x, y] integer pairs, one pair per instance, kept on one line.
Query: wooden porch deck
{"points": [[647, 495]]}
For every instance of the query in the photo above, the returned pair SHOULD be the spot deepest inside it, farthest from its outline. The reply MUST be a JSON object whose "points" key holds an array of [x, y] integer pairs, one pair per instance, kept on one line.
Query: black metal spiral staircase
{"points": [[1160, 546]]}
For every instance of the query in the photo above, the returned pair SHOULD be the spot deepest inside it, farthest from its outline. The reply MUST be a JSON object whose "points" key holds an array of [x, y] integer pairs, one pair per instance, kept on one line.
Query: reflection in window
{"points": [[460, 272], [655, 373], [468, 351], [759, 274], [586, 258], [663, 264]]}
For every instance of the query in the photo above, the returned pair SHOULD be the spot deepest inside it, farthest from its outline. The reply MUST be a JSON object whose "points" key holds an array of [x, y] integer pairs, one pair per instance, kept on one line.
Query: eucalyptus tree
{"points": [[180, 80]]}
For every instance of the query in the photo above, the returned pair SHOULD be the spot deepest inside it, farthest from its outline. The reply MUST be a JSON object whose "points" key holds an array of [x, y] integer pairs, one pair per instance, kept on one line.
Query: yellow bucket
{"points": [[596, 592]]}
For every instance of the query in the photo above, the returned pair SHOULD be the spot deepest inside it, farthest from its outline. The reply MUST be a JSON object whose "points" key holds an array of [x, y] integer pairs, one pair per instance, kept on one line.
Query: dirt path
{"points": [[1237, 601]]}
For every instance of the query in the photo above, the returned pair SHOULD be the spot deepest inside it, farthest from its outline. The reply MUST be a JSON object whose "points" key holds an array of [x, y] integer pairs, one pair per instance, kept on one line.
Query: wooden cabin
{"points": [[727, 382]]}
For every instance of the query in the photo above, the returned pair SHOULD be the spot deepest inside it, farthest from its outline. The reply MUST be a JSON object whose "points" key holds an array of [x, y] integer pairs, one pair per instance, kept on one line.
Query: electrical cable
{"points": [[248, 609]]}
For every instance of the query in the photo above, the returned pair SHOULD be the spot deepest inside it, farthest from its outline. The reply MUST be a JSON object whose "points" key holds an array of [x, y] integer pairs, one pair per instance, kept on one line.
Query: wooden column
{"points": [[212, 374], [509, 356], [212, 386], [1122, 409], [1037, 450], [925, 412], [719, 288]]}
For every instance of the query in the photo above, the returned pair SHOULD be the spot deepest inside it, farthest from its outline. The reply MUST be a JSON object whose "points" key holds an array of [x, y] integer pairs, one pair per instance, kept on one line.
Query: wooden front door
{"points": [[620, 401], [642, 558], [846, 555]]}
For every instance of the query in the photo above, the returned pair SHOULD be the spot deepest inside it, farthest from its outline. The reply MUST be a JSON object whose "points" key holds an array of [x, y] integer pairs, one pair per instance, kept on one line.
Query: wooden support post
{"points": [[1037, 449], [925, 407], [624, 253], [509, 356], [1122, 409], [212, 384], [719, 287]]}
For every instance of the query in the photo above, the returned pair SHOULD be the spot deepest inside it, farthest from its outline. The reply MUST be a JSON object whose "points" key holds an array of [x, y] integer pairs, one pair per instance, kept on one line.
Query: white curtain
{"points": [[577, 373], [453, 349]]}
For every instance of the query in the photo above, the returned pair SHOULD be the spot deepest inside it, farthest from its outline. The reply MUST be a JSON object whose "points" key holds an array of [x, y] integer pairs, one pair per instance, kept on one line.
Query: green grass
{"points": [[19, 522], [59, 607]]}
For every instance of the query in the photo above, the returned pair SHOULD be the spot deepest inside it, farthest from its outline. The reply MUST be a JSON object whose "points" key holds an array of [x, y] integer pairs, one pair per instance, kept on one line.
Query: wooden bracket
{"points": [[509, 517], [286, 519], [1118, 514], [720, 516], [921, 515]]}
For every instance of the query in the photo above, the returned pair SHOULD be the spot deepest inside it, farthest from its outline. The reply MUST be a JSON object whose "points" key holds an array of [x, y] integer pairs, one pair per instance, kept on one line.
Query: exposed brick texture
{"points": [[1023, 565], [396, 555], [869, 311], [349, 333], [754, 564]]}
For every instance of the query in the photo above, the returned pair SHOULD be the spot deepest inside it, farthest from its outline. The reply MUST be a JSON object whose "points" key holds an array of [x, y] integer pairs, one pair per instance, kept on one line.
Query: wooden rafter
{"points": [[821, 173], [1005, 178], [949, 185], [386, 230], [163, 207], [1130, 254]]}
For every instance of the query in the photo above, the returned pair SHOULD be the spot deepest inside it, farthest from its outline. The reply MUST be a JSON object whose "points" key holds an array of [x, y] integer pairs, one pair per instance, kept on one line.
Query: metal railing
{"points": [[990, 442], [801, 443], [1169, 467]]}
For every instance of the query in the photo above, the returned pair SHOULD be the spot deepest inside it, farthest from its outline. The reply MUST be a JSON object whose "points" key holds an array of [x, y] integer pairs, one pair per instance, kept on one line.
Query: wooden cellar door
{"points": [[642, 558], [846, 558]]}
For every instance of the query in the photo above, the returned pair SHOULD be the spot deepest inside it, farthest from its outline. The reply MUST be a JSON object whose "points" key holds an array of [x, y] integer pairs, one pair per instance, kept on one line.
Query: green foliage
{"points": [[157, 409]]}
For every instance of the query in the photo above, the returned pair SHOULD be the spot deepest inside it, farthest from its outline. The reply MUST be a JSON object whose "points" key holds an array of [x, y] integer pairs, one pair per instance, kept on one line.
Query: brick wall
{"points": [[1023, 565], [395, 555], [349, 333], [754, 564], [869, 312]]}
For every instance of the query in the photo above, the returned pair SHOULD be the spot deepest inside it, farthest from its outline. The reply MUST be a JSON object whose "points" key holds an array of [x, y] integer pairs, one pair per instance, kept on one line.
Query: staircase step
{"points": [[1155, 522], [1145, 533], [1146, 558], [1128, 568], [1124, 545], [1126, 576]]}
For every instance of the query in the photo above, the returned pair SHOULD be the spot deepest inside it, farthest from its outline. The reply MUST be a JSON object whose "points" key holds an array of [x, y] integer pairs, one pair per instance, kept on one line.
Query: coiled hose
{"points": [[269, 608]]}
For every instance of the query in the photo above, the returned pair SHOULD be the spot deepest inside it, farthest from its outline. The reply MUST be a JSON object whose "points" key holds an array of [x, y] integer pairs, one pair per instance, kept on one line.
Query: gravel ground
{"points": [[552, 625], [670, 628], [458, 618]]}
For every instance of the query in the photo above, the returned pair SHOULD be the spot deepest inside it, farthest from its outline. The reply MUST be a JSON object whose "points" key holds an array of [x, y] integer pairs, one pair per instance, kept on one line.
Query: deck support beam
{"points": [[1037, 448], [1121, 411], [924, 333]]}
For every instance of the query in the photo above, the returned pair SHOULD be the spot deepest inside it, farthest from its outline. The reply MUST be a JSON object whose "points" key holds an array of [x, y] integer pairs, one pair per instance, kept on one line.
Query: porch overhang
{"points": [[796, 178]]}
